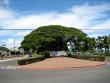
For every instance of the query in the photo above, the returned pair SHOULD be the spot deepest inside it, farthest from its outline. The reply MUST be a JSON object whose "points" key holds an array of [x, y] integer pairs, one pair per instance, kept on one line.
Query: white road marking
{"points": [[9, 67], [11, 59]]}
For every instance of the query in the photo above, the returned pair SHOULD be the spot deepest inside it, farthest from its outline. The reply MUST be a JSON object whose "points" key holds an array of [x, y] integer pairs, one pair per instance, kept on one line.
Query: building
{"points": [[57, 53]]}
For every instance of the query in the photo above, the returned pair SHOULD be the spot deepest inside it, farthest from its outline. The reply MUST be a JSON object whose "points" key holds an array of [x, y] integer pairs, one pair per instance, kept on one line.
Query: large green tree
{"points": [[52, 37]]}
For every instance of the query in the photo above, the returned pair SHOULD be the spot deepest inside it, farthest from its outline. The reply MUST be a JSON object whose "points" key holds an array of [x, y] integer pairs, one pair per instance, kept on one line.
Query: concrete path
{"points": [[62, 63]]}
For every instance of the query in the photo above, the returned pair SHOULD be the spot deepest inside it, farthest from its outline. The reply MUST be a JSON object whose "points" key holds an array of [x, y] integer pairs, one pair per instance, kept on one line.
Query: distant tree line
{"points": [[103, 44], [99, 45]]}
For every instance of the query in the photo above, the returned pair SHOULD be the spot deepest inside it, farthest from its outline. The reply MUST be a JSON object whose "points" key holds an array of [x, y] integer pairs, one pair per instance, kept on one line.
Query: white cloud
{"points": [[80, 16], [11, 43], [30, 21], [6, 17], [104, 25], [5, 33], [87, 14], [100, 28], [22, 33]]}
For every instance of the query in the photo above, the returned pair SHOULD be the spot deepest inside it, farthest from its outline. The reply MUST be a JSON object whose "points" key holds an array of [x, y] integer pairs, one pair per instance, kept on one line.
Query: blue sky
{"points": [[30, 14], [49, 5]]}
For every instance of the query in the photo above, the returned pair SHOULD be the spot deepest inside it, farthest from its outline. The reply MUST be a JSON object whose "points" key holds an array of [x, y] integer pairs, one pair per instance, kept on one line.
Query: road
{"points": [[78, 75]]}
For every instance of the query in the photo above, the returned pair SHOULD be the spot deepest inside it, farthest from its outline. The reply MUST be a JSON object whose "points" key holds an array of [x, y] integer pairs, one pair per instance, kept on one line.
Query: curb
{"points": [[62, 68]]}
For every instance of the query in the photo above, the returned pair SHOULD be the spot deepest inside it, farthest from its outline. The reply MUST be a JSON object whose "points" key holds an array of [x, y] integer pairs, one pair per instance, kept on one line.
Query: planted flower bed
{"points": [[90, 57]]}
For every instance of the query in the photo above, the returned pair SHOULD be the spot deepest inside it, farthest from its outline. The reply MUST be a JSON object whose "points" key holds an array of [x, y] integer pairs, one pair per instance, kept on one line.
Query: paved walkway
{"points": [[62, 62]]}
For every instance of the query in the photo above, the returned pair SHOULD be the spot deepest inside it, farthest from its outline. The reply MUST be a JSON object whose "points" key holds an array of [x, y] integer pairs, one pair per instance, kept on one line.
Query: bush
{"points": [[107, 54], [30, 60], [99, 58], [90, 57], [22, 62], [46, 54], [69, 55]]}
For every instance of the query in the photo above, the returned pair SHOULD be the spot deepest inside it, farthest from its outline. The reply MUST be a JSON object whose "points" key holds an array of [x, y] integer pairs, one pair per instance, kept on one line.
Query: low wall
{"points": [[57, 53]]}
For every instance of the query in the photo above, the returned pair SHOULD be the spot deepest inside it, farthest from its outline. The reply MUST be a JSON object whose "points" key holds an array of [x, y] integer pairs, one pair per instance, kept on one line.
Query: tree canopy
{"points": [[52, 37]]}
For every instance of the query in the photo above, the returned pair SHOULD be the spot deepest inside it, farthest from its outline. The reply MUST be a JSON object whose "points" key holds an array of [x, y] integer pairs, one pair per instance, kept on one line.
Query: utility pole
{"points": [[14, 47], [14, 44]]}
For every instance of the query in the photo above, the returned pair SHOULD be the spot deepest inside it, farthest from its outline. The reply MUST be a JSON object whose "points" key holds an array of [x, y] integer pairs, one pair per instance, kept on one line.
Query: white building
{"points": [[57, 53]]}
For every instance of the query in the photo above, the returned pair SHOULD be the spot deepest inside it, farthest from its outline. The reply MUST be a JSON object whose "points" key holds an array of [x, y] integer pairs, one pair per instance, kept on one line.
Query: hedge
{"points": [[90, 57], [30, 60], [46, 54]]}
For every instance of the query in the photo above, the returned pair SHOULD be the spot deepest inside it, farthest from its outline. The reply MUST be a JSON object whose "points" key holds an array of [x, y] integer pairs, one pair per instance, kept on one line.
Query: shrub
{"points": [[22, 62], [90, 57], [30, 60], [99, 58], [46, 54], [107, 54], [69, 55]]}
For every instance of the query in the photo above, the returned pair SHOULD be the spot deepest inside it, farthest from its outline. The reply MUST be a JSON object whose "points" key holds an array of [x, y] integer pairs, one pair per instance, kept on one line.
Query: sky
{"points": [[30, 14]]}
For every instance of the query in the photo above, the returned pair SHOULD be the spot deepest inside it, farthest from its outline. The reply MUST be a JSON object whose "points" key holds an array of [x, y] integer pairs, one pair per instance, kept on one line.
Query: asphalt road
{"points": [[78, 75], [11, 62]]}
